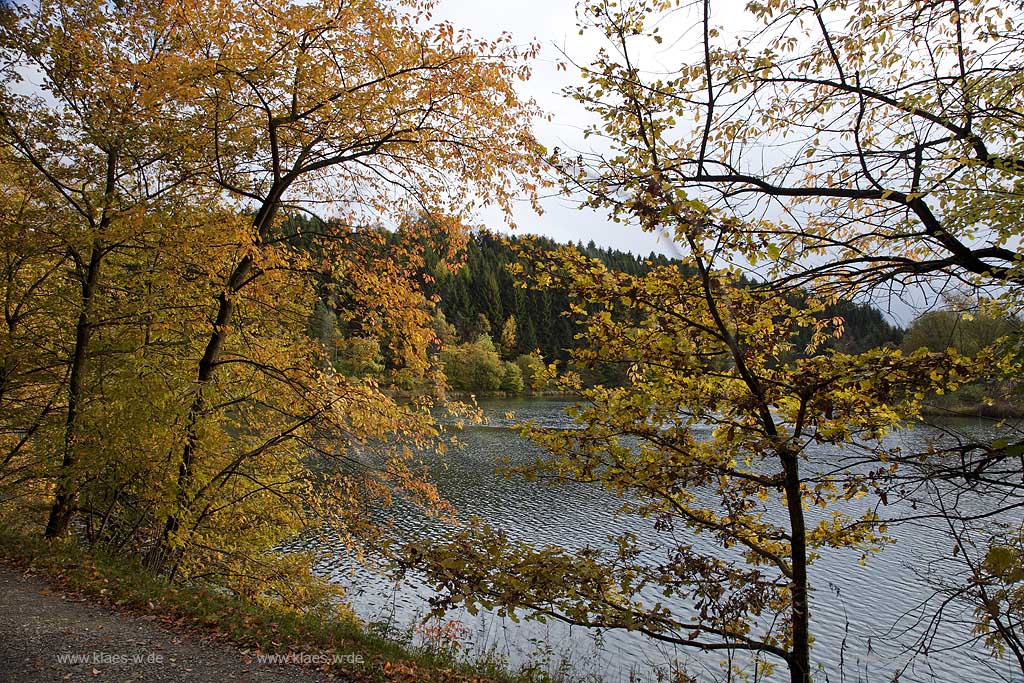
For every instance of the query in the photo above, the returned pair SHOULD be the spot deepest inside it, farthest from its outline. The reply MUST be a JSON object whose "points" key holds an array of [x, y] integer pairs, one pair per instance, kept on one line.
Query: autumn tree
{"points": [[702, 351], [840, 146], [895, 130], [203, 426], [474, 366], [508, 340], [867, 147], [360, 105], [103, 134]]}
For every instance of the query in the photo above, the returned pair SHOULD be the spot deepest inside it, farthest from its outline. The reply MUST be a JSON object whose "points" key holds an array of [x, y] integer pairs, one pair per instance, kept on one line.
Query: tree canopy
{"points": [[838, 147], [894, 130], [160, 386]]}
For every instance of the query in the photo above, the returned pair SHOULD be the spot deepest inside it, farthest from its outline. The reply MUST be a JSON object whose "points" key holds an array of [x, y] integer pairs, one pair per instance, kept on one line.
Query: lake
{"points": [[867, 620]]}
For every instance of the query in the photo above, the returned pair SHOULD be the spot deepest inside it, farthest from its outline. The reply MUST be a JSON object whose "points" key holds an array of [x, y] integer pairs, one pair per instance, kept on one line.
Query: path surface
{"points": [[51, 637]]}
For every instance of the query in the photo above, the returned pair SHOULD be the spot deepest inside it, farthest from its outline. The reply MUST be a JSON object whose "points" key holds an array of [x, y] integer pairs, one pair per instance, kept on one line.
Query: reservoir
{"points": [[887, 618]]}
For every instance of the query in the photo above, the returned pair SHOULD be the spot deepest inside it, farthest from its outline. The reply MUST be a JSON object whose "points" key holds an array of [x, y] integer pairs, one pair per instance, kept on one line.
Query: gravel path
{"points": [[48, 636]]}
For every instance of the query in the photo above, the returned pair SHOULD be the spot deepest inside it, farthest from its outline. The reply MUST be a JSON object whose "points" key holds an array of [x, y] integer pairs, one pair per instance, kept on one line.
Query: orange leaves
{"points": [[326, 88], [172, 138]]}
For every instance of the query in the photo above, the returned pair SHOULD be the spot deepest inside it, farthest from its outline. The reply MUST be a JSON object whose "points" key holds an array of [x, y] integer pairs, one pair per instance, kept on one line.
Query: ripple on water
{"points": [[869, 615]]}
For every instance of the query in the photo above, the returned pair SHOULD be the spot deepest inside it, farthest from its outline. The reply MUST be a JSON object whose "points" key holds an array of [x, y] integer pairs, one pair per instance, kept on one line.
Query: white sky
{"points": [[552, 23]]}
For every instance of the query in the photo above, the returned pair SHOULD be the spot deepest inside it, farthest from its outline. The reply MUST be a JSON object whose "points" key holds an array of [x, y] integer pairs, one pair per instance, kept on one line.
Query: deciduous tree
{"points": [[894, 130], [845, 145], [203, 426], [360, 105], [701, 351], [104, 133]]}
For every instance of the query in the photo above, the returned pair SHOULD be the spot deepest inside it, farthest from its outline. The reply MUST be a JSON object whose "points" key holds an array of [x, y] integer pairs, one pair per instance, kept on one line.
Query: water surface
{"points": [[867, 620]]}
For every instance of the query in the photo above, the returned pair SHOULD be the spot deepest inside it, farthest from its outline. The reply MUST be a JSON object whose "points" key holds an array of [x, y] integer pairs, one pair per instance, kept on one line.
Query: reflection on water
{"points": [[867, 615]]}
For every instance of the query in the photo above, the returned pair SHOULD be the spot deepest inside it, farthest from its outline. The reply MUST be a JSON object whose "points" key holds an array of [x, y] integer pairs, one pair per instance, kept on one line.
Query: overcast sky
{"points": [[552, 23]]}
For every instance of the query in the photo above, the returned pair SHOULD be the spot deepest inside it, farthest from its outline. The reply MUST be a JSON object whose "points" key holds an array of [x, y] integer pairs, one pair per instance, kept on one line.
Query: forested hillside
{"points": [[483, 314], [482, 295]]}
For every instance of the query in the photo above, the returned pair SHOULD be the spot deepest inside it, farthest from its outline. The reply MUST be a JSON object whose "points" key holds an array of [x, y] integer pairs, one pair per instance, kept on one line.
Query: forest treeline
{"points": [[493, 331], [482, 295]]}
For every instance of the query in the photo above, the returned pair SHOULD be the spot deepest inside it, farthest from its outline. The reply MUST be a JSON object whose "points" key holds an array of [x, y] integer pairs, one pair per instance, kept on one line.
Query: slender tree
{"points": [[701, 351], [359, 105], [104, 135], [894, 135]]}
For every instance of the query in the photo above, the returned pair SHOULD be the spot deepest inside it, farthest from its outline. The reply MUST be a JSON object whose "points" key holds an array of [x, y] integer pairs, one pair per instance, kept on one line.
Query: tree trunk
{"points": [[163, 554], [800, 661], [64, 500]]}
